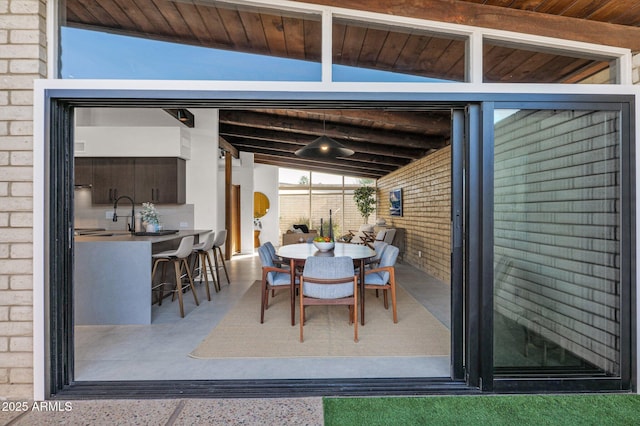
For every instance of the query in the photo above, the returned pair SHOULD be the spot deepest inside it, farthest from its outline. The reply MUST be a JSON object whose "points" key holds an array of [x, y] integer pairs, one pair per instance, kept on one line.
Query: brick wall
{"points": [[556, 233], [426, 192], [22, 60]]}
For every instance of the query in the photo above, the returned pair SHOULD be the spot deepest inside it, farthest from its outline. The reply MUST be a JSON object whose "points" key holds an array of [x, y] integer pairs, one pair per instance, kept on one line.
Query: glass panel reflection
{"points": [[504, 63], [189, 40], [556, 242], [364, 51]]}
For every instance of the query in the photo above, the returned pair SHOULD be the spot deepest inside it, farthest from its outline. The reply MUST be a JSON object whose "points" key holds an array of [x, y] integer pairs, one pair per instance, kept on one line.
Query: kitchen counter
{"points": [[125, 236], [112, 275]]}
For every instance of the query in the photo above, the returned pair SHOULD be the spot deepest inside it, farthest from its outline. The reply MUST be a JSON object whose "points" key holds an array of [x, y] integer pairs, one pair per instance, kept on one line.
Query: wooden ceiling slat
{"points": [[296, 140], [335, 131], [322, 166], [392, 49], [215, 28], [191, 14], [623, 12], [175, 20], [314, 167], [411, 51], [504, 18], [94, 11], [349, 51], [252, 23], [293, 37], [274, 32], [372, 44], [235, 29], [280, 141], [584, 8], [312, 40], [354, 161], [154, 17]]}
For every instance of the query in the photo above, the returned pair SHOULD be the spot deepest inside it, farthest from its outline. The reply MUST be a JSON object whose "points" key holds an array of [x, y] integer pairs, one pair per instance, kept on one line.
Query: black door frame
{"points": [[477, 275]]}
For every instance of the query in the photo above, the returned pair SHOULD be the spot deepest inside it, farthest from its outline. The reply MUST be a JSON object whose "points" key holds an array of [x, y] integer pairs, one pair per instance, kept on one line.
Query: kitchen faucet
{"points": [[131, 226]]}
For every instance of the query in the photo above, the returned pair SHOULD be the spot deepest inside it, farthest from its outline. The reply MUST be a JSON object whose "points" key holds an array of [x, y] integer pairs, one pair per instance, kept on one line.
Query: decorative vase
{"points": [[151, 227]]}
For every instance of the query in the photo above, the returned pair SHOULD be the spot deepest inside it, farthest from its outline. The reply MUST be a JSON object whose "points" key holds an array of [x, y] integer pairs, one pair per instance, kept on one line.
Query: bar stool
{"points": [[221, 237], [202, 251], [179, 259]]}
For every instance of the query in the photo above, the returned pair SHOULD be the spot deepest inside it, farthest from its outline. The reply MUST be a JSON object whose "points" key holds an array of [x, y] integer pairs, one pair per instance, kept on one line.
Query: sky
{"points": [[91, 54]]}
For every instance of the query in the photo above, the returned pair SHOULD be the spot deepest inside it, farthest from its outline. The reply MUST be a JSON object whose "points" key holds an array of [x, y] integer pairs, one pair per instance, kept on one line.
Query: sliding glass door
{"points": [[561, 223]]}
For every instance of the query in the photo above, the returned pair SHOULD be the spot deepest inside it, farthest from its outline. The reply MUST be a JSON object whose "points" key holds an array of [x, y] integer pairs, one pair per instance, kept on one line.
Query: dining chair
{"points": [[383, 277], [273, 279], [179, 259], [277, 260], [329, 281], [202, 251], [221, 238]]}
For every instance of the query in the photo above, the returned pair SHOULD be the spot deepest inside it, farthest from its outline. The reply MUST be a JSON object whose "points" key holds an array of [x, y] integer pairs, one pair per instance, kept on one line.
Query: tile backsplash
{"points": [[171, 216]]}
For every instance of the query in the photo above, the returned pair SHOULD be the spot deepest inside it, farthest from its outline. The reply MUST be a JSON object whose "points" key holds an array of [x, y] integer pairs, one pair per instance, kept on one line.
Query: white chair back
{"points": [[208, 243], [221, 237], [185, 247]]}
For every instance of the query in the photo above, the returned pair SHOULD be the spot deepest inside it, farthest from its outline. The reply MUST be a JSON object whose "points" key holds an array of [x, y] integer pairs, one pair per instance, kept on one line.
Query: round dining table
{"points": [[298, 253]]}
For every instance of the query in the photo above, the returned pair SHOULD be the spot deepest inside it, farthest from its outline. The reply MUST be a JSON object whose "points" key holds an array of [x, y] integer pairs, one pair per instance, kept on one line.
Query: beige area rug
{"points": [[327, 332]]}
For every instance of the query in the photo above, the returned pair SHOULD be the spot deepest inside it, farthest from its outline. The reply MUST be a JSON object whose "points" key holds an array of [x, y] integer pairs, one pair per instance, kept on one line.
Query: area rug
{"points": [[327, 332]]}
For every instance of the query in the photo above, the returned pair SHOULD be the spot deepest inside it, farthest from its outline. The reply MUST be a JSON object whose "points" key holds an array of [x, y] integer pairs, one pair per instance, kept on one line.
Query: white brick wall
{"points": [[22, 60]]}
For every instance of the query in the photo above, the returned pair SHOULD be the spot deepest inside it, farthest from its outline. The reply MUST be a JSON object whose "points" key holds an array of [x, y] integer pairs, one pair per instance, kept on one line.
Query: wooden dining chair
{"points": [[383, 278], [273, 279], [329, 281]]}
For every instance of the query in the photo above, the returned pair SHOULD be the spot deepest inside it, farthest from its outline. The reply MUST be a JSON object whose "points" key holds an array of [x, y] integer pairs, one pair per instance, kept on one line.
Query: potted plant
{"points": [[365, 202]]}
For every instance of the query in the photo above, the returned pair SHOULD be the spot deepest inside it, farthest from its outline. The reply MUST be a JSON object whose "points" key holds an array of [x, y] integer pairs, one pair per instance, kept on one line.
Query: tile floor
{"points": [[160, 350]]}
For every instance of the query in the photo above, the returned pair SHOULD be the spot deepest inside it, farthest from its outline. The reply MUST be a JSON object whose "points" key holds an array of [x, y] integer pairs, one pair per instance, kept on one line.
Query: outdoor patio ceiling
{"points": [[383, 141]]}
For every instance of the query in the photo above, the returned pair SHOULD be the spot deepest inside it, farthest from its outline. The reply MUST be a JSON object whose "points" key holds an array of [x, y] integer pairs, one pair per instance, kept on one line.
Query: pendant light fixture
{"points": [[324, 147]]}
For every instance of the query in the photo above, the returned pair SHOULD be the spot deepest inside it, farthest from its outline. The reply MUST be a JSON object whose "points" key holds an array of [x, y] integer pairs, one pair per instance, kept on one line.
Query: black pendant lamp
{"points": [[324, 147]]}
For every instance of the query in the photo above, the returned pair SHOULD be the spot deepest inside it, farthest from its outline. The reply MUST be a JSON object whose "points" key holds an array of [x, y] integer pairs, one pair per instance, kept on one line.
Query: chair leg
{"points": [[193, 288], [176, 264], [216, 284], [385, 298], [224, 264], [392, 281], [301, 313], [203, 270], [355, 310], [263, 296]]}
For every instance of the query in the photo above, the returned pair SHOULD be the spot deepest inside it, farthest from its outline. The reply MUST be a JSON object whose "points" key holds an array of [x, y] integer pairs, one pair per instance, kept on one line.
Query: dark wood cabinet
{"points": [[112, 178], [83, 171], [159, 180]]}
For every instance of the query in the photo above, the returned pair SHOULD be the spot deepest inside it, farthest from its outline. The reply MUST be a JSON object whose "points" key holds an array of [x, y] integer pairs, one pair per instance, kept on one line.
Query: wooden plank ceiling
{"points": [[383, 140]]}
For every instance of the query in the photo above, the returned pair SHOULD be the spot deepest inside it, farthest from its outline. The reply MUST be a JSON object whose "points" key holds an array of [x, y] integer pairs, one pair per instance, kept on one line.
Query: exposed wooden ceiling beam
{"points": [[297, 141], [432, 122], [501, 18], [252, 145], [337, 131], [341, 163], [275, 160], [226, 146]]}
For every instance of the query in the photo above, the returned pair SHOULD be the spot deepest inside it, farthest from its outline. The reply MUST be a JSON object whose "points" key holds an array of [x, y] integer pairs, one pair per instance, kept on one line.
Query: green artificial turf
{"points": [[519, 410]]}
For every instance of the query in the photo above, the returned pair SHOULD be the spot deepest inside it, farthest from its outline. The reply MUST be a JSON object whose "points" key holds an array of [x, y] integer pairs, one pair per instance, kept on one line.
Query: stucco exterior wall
{"points": [[22, 60]]}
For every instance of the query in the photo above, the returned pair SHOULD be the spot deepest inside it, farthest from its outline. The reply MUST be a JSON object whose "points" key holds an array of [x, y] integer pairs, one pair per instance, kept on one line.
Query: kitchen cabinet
{"points": [[160, 180], [112, 178], [83, 171]]}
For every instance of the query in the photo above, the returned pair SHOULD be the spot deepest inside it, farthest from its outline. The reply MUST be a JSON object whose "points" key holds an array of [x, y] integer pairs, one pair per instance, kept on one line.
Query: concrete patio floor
{"points": [[167, 412]]}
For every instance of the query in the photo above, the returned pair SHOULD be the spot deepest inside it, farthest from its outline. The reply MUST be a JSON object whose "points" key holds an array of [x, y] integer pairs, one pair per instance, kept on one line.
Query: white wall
{"points": [[242, 174], [202, 176], [265, 180]]}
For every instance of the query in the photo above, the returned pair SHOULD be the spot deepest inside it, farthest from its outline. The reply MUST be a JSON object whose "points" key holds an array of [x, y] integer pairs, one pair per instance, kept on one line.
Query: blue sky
{"points": [[91, 54]]}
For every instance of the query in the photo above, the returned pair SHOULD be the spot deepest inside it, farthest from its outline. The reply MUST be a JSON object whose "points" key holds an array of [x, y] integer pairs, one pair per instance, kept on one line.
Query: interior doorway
{"points": [[236, 223]]}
